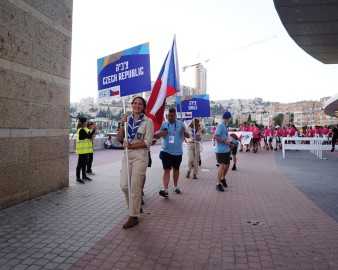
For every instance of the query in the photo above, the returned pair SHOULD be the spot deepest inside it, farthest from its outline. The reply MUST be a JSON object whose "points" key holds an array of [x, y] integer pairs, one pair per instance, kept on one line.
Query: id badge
{"points": [[171, 139]]}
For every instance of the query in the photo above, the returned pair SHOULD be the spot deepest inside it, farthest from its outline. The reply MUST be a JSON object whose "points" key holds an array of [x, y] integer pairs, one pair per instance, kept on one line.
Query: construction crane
{"points": [[230, 52]]}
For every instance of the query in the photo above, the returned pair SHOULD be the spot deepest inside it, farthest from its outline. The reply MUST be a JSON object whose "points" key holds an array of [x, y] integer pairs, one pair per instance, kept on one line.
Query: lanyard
{"points": [[174, 128]]}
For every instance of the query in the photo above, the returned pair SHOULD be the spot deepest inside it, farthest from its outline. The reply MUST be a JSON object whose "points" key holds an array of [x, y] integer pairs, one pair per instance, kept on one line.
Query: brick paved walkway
{"points": [[276, 214]]}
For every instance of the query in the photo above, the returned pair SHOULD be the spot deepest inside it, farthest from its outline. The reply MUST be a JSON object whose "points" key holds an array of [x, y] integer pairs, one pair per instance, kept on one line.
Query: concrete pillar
{"points": [[35, 57]]}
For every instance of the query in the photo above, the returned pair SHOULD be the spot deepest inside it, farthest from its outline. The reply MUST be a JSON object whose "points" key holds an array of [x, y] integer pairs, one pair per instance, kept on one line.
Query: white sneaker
{"points": [[91, 173], [177, 190]]}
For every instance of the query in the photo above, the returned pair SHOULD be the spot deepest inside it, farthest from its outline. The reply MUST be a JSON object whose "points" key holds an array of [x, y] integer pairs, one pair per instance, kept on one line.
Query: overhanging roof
{"points": [[331, 106], [313, 25]]}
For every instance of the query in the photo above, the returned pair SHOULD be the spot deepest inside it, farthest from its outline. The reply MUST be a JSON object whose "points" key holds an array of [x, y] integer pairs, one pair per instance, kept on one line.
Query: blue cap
{"points": [[227, 115]]}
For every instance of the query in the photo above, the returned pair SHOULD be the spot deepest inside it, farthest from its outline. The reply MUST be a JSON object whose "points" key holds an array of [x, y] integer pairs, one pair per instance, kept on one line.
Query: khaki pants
{"points": [[193, 156], [138, 163]]}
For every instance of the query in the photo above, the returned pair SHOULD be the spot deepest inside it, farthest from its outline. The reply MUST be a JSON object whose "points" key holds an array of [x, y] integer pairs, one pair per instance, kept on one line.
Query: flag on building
{"points": [[166, 85]]}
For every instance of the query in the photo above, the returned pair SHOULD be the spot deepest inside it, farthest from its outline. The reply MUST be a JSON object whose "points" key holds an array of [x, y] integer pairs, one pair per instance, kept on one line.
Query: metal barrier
{"points": [[315, 145]]}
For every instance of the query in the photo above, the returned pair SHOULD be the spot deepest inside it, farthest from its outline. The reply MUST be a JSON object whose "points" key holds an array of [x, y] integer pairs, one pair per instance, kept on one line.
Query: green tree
{"points": [[220, 109], [83, 115], [231, 123], [236, 124], [101, 113], [72, 112], [249, 119], [109, 113], [72, 109], [278, 119]]}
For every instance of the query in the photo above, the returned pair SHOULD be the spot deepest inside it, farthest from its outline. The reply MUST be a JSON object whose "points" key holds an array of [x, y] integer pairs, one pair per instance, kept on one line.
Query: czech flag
{"points": [[166, 85]]}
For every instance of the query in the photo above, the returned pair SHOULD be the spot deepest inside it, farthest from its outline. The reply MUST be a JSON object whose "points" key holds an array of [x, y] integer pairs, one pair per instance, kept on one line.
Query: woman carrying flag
{"points": [[193, 147], [140, 131]]}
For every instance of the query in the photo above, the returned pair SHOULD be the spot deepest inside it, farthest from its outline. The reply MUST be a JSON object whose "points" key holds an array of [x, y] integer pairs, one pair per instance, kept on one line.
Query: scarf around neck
{"points": [[132, 128]]}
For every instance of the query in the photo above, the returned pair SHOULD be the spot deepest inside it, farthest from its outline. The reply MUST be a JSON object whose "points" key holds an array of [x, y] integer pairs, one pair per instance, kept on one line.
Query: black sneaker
{"points": [[224, 183], [86, 178], [234, 167], [80, 180], [164, 193], [219, 187]]}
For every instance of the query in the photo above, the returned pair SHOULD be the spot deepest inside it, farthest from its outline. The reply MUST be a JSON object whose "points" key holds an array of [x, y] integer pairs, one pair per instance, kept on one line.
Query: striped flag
{"points": [[166, 85]]}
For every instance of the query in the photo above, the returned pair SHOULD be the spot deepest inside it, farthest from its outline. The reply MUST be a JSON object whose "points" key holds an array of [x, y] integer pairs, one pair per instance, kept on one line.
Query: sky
{"points": [[251, 54]]}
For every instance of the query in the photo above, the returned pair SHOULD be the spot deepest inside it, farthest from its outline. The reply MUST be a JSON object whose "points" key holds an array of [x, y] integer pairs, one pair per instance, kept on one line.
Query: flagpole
{"points": [[127, 159], [181, 116], [195, 142], [181, 108], [166, 85]]}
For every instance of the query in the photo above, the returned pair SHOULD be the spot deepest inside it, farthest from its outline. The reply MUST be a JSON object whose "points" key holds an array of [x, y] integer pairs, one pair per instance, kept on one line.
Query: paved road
{"points": [[276, 214], [317, 179]]}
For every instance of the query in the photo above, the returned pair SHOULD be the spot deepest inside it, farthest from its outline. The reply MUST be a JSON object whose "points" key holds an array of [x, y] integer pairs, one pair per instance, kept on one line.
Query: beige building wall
{"points": [[35, 57]]}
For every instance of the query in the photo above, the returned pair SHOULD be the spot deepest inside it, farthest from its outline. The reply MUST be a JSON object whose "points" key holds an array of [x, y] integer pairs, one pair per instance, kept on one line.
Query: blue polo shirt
{"points": [[222, 132], [173, 146]]}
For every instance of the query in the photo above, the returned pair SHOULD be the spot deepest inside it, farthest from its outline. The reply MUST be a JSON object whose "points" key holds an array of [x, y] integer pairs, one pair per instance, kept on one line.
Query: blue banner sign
{"points": [[124, 73], [193, 106]]}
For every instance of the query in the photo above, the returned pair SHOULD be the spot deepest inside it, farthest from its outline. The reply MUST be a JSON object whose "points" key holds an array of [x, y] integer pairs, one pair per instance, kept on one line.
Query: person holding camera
{"points": [[91, 126], [84, 147]]}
